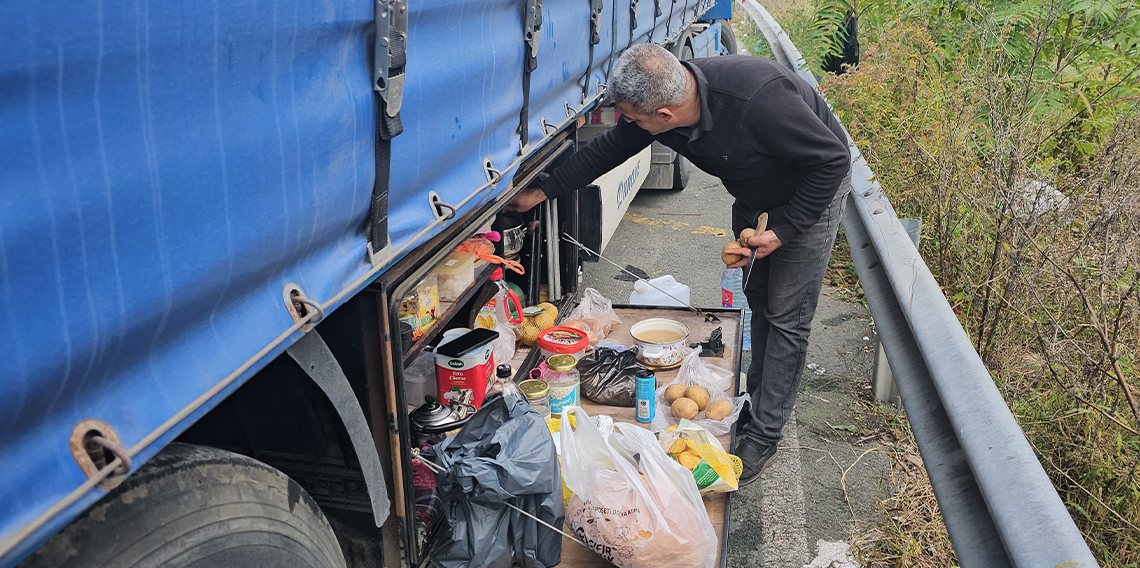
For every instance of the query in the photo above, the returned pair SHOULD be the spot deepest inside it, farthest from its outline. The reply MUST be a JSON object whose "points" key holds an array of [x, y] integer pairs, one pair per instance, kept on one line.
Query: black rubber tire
{"points": [[194, 506], [727, 39], [682, 168]]}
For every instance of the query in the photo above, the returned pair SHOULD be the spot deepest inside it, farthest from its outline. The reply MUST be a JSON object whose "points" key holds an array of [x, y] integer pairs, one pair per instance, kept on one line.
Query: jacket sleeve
{"points": [[597, 157], [784, 125]]}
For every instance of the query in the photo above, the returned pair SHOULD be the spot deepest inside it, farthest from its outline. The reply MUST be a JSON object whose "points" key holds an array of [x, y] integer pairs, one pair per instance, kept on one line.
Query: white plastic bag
{"points": [[694, 371], [632, 504]]}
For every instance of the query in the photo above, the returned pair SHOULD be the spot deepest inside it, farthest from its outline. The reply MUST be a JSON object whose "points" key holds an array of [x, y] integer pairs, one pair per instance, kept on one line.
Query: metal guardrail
{"points": [[999, 506]]}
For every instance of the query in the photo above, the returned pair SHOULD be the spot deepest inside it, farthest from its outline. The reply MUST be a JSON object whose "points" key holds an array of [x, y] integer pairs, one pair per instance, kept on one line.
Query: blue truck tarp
{"points": [[168, 168]]}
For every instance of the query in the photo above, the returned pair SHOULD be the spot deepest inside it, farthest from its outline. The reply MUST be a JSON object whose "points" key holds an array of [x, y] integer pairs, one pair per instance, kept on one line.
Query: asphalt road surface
{"points": [[830, 472]]}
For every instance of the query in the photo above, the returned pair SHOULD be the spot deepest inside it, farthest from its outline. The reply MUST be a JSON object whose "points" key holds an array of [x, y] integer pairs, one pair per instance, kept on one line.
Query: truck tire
{"points": [[682, 168], [202, 507], [727, 39]]}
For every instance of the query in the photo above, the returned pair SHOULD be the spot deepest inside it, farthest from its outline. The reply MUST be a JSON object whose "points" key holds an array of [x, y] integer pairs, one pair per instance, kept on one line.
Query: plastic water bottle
{"points": [[646, 295], [732, 296]]}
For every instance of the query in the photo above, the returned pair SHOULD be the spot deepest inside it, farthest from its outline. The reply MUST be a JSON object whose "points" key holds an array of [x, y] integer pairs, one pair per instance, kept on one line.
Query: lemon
{"points": [[536, 323]]}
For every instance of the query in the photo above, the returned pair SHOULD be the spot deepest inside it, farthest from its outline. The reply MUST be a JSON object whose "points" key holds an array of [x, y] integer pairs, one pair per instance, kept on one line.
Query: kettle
{"points": [[431, 421]]}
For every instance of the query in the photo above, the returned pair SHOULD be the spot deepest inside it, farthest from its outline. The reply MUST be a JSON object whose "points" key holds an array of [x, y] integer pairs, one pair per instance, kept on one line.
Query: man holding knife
{"points": [[775, 145]]}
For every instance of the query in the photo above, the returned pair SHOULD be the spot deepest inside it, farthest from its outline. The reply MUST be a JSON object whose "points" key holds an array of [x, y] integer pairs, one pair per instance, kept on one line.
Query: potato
{"points": [[698, 395], [673, 392], [744, 235], [718, 410], [728, 258], [689, 459], [684, 408]]}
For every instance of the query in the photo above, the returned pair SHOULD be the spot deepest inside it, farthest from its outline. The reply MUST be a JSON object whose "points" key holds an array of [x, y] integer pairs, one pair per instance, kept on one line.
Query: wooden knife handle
{"points": [[762, 223], [761, 226]]}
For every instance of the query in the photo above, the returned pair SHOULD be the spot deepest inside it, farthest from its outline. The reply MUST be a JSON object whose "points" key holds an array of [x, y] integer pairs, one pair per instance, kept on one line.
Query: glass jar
{"points": [[565, 383], [537, 393]]}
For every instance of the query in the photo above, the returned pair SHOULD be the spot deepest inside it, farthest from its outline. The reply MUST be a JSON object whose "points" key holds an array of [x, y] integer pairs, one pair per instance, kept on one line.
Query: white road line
{"points": [[784, 542]]}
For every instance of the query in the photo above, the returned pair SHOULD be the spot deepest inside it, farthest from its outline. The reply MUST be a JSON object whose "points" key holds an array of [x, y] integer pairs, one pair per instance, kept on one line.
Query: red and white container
{"points": [[562, 340], [465, 379]]}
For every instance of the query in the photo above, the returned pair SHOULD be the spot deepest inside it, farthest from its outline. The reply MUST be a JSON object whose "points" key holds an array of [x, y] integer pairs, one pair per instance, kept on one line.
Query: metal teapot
{"points": [[431, 421]]}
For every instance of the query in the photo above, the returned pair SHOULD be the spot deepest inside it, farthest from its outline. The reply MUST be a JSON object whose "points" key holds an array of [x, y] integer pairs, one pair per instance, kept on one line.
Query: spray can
{"points": [[645, 403]]}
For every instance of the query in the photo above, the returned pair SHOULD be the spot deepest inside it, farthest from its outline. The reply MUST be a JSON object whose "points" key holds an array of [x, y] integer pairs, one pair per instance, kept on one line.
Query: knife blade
{"points": [[761, 226]]}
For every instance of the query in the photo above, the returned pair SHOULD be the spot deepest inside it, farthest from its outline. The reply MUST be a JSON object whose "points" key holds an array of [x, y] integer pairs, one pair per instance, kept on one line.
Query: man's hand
{"points": [[526, 199], [765, 244]]}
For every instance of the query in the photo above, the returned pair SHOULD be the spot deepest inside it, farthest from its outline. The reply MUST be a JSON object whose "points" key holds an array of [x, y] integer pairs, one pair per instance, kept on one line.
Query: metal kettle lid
{"points": [[432, 414]]}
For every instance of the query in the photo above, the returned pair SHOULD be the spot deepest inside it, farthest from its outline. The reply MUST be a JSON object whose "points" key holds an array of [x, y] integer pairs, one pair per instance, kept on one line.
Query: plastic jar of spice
{"points": [[537, 393], [565, 383]]}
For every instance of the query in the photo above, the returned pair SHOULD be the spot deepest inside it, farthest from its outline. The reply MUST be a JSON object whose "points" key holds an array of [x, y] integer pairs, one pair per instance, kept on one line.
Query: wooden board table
{"points": [[717, 504]]}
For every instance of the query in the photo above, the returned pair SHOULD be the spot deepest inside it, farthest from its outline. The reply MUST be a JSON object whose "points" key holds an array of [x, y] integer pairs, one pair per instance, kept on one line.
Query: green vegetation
{"points": [[1013, 130]]}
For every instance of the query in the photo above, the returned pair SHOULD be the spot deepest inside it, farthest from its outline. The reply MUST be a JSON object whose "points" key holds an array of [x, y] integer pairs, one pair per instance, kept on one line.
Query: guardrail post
{"points": [[882, 379]]}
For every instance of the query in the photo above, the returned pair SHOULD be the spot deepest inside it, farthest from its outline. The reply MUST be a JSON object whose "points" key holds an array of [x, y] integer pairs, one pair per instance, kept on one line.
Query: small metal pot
{"points": [[431, 421], [513, 234], [659, 353]]}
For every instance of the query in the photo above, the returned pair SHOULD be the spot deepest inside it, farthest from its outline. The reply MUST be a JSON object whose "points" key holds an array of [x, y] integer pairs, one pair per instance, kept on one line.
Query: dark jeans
{"points": [[782, 292]]}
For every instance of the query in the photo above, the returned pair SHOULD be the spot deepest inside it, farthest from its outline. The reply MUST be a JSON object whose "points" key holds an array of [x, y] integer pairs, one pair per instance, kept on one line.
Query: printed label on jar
{"points": [[564, 336], [561, 397]]}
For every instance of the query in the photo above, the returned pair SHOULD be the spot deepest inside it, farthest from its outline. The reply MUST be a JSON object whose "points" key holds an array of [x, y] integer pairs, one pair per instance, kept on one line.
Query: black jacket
{"points": [[763, 131]]}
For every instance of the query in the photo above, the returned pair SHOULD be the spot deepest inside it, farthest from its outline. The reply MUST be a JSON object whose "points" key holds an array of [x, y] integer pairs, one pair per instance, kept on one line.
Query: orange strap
{"points": [[484, 250]]}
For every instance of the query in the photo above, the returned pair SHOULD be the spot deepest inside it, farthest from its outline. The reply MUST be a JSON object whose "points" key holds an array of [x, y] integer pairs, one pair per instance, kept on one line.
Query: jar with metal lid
{"points": [[537, 393], [564, 381]]}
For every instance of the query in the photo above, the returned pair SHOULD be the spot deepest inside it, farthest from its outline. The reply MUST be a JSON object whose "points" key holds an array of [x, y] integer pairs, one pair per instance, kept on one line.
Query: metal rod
{"points": [[440, 469], [599, 255]]}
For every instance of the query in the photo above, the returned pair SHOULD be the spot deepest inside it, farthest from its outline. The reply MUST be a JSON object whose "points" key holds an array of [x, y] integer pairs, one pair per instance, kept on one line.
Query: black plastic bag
{"points": [[505, 454], [607, 376]]}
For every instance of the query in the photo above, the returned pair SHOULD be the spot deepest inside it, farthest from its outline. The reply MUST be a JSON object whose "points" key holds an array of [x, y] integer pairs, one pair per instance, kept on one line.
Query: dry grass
{"points": [[912, 533]]}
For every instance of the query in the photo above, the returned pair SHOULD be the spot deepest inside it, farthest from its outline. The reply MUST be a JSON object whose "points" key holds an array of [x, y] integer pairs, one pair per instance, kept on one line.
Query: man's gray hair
{"points": [[648, 77]]}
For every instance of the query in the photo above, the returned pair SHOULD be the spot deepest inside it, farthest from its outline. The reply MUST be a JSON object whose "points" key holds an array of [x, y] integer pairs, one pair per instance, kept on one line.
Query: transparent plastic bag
{"points": [[631, 503], [715, 380], [594, 315]]}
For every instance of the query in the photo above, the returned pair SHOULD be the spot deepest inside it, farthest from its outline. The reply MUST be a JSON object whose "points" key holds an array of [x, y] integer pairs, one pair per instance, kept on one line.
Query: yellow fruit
{"points": [[533, 325], [698, 395], [689, 460], [684, 408], [677, 447], [528, 334], [728, 258], [673, 392], [718, 410], [550, 308], [544, 321]]}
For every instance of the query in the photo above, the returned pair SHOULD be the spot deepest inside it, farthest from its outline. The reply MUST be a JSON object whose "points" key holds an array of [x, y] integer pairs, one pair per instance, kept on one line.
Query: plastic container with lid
{"points": [[455, 276], [561, 340], [660, 291], [537, 393], [564, 381]]}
